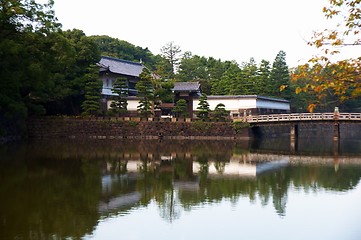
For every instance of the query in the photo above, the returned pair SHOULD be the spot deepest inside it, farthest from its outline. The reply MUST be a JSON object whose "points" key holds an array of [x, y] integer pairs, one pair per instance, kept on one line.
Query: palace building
{"points": [[238, 105]]}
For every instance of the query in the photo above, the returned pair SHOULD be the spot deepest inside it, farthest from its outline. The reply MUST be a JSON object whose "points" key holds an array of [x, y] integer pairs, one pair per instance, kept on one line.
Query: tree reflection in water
{"points": [[63, 189]]}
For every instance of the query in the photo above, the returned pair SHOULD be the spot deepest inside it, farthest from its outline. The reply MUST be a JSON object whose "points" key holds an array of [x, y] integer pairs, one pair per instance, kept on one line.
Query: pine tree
{"points": [[180, 108], [91, 105], [145, 92], [264, 78], [120, 103], [220, 113], [203, 108], [280, 77]]}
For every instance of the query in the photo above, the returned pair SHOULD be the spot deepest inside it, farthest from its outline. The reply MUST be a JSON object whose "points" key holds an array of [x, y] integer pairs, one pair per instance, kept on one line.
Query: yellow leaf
{"points": [[298, 90], [283, 87], [311, 107]]}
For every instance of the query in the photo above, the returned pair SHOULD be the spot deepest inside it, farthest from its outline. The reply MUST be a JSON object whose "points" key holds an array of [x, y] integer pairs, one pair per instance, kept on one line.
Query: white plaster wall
{"points": [[231, 104], [132, 104]]}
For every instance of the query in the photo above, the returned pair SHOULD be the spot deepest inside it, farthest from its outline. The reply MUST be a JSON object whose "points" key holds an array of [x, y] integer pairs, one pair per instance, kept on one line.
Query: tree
{"points": [[145, 92], [248, 78], [120, 103], [164, 91], [117, 48], [72, 54], [91, 105], [26, 16], [171, 52], [280, 77], [229, 82], [180, 109], [220, 113], [24, 27], [203, 108], [264, 78], [192, 68], [326, 76]]}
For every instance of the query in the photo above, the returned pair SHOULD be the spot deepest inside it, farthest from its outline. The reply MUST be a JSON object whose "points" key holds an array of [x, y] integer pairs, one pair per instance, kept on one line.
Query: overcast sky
{"points": [[225, 29]]}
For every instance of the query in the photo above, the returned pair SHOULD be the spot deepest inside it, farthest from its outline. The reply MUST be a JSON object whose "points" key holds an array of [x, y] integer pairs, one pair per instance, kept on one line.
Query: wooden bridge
{"points": [[294, 120], [303, 117]]}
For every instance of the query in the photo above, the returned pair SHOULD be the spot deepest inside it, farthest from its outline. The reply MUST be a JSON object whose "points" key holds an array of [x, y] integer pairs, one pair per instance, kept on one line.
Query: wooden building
{"points": [[188, 91], [112, 68]]}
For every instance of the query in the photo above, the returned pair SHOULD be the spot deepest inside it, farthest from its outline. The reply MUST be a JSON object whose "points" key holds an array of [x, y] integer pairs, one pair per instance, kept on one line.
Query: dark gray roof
{"points": [[120, 66], [186, 87]]}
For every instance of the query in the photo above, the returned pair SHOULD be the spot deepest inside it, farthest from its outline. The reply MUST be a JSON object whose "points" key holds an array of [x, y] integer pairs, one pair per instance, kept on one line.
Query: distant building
{"points": [[112, 68], [238, 105]]}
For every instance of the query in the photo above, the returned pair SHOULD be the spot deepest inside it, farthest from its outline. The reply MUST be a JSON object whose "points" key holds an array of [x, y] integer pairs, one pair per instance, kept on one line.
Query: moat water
{"points": [[142, 189]]}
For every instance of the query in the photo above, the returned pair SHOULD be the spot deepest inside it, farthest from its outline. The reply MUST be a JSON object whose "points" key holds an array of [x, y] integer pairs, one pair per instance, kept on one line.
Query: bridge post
{"points": [[294, 131], [294, 138], [336, 131]]}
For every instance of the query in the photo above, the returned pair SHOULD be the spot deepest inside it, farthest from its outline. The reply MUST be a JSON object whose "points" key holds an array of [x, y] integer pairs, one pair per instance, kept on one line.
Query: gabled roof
{"points": [[186, 87], [120, 66]]}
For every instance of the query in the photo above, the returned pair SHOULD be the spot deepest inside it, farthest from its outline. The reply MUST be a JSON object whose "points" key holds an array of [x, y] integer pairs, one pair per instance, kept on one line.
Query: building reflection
{"points": [[186, 179]]}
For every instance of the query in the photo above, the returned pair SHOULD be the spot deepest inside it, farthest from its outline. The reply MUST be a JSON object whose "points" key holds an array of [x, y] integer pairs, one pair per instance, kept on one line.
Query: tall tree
{"points": [[192, 68], [120, 102], [248, 78], [230, 81], [264, 77], [24, 26], [280, 77], [73, 53], [203, 108], [91, 105], [146, 93], [171, 52]]}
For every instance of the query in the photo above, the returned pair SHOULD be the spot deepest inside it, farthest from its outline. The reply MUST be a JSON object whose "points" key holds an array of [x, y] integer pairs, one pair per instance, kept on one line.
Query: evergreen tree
{"points": [[264, 77], [120, 103], [229, 82], [248, 78], [203, 108], [91, 105], [164, 91], [180, 109], [145, 92], [220, 113], [117, 48], [192, 68], [280, 77]]}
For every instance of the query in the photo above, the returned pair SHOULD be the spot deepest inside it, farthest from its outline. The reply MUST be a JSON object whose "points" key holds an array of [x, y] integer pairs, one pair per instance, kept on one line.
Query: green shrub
{"points": [[239, 125]]}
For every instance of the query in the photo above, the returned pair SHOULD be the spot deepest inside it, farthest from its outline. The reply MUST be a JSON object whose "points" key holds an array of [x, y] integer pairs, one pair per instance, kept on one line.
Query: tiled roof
{"points": [[186, 86], [120, 66]]}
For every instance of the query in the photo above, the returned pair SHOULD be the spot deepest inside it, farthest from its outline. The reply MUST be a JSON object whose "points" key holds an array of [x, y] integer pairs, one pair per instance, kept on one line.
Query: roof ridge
{"points": [[122, 60]]}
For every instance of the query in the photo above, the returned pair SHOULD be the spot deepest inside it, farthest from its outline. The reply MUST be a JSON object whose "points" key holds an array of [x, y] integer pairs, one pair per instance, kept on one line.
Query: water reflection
{"points": [[63, 189]]}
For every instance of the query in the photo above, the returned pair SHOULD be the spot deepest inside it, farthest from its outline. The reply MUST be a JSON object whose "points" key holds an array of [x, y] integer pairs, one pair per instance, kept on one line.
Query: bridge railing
{"points": [[303, 117]]}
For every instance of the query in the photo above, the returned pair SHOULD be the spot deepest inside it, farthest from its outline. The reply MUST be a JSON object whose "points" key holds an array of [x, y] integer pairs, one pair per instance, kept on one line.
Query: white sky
{"points": [[225, 29]]}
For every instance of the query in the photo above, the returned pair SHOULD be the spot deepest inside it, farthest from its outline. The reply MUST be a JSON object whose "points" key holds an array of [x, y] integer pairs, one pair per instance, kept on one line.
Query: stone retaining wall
{"points": [[112, 128]]}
